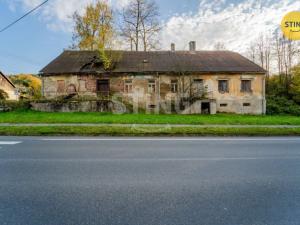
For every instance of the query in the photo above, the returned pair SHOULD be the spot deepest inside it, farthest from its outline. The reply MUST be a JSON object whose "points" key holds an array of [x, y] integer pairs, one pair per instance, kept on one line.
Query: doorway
{"points": [[205, 108], [103, 88]]}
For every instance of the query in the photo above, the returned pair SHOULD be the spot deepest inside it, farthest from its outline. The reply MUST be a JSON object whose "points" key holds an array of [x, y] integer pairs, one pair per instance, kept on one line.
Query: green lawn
{"points": [[146, 131], [40, 117]]}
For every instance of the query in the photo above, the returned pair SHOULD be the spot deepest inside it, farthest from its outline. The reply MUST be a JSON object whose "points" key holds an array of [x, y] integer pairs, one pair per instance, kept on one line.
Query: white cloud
{"points": [[234, 24], [57, 13]]}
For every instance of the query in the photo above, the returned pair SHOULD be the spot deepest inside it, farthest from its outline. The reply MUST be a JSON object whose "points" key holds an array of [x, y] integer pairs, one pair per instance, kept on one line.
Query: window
{"points": [[223, 86], [223, 105], [246, 86], [174, 86], [128, 86], [61, 86], [151, 86], [82, 86], [198, 88], [246, 104], [198, 82]]}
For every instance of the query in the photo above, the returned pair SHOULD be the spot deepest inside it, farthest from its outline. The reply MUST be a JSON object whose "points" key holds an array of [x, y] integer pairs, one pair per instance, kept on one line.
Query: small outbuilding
{"points": [[8, 87]]}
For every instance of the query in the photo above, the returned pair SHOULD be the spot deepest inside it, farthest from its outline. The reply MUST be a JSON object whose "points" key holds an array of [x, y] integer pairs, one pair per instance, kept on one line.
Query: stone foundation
{"points": [[80, 106]]}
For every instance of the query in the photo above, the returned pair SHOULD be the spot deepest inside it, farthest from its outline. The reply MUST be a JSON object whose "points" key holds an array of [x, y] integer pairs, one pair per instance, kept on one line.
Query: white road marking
{"points": [[158, 159], [10, 142], [171, 139]]}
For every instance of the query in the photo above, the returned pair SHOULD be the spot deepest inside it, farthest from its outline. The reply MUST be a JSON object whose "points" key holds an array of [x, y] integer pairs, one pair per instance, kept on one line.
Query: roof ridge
{"points": [[116, 50]]}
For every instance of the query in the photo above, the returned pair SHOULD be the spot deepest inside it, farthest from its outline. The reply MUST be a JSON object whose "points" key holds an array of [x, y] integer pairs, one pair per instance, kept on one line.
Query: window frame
{"points": [[174, 86], [243, 90], [221, 89], [151, 86], [60, 89], [128, 86]]}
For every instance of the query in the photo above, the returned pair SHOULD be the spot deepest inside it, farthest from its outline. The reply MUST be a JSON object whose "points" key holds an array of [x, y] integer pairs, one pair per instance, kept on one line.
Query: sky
{"points": [[32, 43]]}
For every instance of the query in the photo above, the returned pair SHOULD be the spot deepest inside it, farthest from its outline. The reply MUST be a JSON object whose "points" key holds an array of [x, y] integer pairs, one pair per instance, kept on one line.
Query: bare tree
{"points": [[141, 24], [278, 53], [286, 53], [252, 52], [260, 53]]}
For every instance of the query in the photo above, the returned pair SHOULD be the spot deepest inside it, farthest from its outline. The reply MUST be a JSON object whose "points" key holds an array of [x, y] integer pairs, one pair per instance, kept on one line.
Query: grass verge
{"points": [[29, 116], [146, 131]]}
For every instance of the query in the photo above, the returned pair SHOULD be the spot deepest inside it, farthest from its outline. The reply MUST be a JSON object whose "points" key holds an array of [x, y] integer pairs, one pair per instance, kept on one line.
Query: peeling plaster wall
{"points": [[235, 101]]}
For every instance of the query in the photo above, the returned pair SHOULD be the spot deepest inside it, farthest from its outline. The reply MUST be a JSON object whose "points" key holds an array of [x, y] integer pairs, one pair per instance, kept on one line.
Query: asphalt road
{"points": [[127, 181]]}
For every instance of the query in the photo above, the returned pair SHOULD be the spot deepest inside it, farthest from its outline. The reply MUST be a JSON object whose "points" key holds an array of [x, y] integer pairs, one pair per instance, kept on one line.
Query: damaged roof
{"points": [[70, 62]]}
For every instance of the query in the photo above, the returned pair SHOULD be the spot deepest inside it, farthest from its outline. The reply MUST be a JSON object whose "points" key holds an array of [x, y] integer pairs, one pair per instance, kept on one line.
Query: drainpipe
{"points": [[158, 92], [264, 95]]}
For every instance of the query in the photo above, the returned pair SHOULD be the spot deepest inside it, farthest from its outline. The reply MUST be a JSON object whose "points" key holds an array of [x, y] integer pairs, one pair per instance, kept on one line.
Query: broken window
{"points": [[128, 86], [151, 86], [60, 86], [223, 86], [198, 87], [246, 86], [174, 86]]}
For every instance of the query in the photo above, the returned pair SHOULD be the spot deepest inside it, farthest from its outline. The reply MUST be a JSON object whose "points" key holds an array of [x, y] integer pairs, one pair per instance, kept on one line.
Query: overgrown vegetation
{"points": [[15, 105], [28, 85], [3, 95], [283, 97]]}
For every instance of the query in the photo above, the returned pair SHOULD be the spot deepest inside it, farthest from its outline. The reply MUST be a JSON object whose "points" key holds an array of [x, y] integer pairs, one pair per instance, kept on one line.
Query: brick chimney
{"points": [[173, 47], [192, 45]]}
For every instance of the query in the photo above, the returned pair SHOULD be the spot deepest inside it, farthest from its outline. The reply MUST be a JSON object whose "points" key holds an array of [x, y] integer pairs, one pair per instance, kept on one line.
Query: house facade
{"points": [[8, 87], [188, 82]]}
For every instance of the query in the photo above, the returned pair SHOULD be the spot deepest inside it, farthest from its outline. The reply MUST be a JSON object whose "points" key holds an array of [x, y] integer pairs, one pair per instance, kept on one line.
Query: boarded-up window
{"points": [[246, 86], [61, 86], [82, 85], [128, 86], [223, 86]]}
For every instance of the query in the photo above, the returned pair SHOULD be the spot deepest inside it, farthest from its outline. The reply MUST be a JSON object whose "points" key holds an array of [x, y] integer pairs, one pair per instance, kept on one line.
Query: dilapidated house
{"points": [[8, 87], [177, 81]]}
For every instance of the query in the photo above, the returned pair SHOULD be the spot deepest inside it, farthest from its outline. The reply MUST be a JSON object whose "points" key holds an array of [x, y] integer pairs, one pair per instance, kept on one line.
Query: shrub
{"points": [[3, 95], [15, 105], [278, 105]]}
